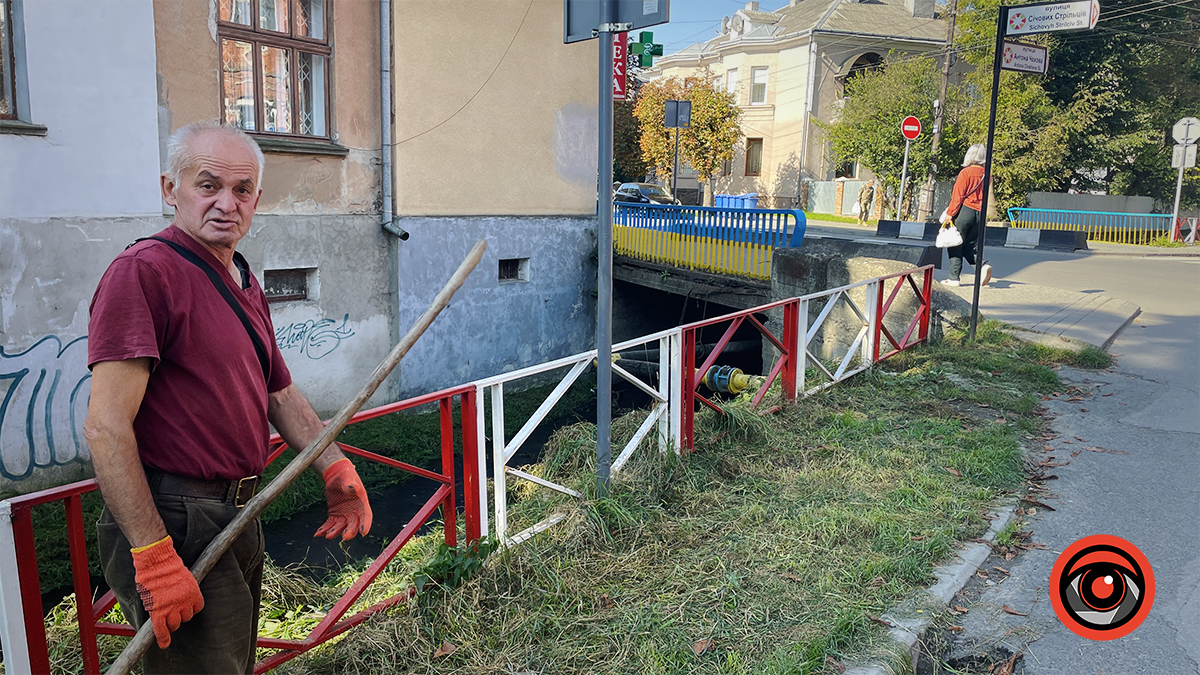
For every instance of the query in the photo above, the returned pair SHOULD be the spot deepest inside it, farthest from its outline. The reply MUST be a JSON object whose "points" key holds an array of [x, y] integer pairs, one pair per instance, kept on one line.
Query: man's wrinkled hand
{"points": [[168, 590], [349, 512]]}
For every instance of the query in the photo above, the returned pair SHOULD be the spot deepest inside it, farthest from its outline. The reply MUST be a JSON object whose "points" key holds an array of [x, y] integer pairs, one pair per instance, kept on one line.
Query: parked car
{"points": [[643, 193]]}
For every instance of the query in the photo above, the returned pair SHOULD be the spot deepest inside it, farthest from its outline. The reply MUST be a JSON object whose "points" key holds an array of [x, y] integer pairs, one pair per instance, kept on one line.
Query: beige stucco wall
{"points": [[494, 114], [188, 91]]}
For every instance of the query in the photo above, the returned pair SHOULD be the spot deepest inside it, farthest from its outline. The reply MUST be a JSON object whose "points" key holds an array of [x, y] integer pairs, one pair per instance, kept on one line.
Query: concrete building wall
{"points": [[501, 122], [496, 326]]}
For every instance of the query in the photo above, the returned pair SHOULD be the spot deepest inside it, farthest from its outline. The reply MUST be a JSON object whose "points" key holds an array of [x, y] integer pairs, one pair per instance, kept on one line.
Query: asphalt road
{"points": [[1140, 479]]}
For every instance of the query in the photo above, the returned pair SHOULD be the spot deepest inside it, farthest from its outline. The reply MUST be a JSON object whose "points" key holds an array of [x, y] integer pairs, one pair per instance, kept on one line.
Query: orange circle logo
{"points": [[1102, 587]]}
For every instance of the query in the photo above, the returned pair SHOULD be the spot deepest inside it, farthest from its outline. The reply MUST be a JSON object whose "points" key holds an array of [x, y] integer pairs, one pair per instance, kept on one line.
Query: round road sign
{"points": [[910, 127]]}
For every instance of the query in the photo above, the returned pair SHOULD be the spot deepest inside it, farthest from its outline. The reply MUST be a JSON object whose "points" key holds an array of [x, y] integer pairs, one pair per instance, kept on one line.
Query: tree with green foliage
{"points": [[710, 141], [867, 128]]}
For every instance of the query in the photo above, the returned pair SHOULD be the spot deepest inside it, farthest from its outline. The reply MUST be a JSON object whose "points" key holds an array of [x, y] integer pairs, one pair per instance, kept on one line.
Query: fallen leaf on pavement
{"points": [[1010, 555], [1001, 569], [1106, 450], [702, 646], [1108, 394], [956, 629], [1083, 410], [446, 649], [1074, 398], [1012, 611], [1075, 454], [961, 609], [833, 663], [1037, 503], [882, 622], [1037, 545], [1079, 439], [952, 471], [982, 574], [1008, 666]]}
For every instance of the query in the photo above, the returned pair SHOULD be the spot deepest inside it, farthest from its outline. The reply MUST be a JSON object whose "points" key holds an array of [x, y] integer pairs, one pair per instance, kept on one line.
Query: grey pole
{"points": [[1178, 189], [903, 181], [675, 171], [1001, 26], [604, 235]]}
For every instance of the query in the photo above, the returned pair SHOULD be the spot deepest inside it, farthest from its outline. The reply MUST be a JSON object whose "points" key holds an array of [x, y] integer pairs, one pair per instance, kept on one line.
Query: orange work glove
{"points": [[169, 591], [349, 512]]}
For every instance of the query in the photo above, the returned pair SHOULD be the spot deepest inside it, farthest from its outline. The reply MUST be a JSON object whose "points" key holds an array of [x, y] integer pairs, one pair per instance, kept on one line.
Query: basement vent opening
{"points": [[514, 269], [287, 285]]}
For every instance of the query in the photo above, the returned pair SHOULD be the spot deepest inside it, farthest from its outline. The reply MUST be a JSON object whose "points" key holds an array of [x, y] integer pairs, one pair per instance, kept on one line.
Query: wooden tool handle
{"points": [[217, 547]]}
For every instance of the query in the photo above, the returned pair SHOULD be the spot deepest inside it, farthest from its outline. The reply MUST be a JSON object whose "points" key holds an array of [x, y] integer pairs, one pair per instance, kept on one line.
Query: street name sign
{"points": [[620, 65], [581, 17], [910, 128], [1183, 156], [1186, 130], [1025, 58], [1052, 17]]}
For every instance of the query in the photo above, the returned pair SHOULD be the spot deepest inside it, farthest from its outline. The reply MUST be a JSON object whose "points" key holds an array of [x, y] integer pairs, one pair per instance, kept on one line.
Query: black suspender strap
{"points": [[223, 289]]}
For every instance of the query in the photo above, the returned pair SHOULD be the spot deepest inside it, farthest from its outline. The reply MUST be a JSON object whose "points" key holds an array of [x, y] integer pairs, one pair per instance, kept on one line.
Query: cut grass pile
{"points": [[767, 550]]}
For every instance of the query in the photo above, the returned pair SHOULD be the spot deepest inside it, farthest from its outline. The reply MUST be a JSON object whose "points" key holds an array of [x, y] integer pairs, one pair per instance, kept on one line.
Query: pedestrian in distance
{"points": [[186, 377], [966, 201], [866, 197]]}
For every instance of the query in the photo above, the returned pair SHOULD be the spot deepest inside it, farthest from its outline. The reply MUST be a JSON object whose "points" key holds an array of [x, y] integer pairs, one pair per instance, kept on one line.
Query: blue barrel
{"points": [[750, 200]]}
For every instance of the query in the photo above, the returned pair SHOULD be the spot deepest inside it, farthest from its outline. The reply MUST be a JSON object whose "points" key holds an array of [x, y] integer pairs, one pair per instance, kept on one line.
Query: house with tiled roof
{"points": [[788, 69]]}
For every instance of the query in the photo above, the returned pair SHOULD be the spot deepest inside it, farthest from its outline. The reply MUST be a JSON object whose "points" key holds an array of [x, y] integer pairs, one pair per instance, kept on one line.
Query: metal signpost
{"points": [[677, 115], [910, 128], [584, 20], [1048, 17], [1186, 131]]}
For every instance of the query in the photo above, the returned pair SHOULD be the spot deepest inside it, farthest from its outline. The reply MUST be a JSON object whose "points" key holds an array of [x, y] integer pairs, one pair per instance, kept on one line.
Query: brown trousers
{"points": [[220, 639]]}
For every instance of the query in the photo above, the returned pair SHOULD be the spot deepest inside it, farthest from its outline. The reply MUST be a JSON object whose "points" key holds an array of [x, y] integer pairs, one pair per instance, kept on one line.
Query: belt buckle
{"points": [[247, 484]]}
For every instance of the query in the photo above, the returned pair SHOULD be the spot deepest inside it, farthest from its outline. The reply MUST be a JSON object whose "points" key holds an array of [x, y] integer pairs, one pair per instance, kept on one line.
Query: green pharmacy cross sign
{"points": [[645, 49]]}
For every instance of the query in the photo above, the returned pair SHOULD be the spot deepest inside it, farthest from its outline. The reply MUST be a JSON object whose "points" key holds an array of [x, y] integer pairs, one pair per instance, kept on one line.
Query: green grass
{"points": [[1164, 241], [834, 218]]}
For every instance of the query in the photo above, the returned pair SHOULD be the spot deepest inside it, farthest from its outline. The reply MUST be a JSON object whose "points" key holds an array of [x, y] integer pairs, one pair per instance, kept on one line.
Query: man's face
{"points": [[217, 191]]}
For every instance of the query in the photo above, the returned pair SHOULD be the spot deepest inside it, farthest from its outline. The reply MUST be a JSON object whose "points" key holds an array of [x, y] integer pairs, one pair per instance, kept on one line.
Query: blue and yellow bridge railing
{"points": [[730, 241], [1106, 226]]}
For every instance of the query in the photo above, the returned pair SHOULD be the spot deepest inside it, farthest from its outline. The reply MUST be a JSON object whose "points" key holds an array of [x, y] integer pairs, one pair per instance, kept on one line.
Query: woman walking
{"points": [[966, 201]]}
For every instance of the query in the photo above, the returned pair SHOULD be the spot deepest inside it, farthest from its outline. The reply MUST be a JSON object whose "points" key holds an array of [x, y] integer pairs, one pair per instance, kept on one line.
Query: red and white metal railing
{"points": [[22, 626], [674, 402]]}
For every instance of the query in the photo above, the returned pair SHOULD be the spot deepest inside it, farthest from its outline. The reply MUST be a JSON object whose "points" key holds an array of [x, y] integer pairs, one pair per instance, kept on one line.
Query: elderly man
{"points": [[186, 377]]}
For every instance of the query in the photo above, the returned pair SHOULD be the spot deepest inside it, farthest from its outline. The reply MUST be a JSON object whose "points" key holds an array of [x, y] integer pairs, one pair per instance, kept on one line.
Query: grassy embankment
{"points": [[767, 550]]}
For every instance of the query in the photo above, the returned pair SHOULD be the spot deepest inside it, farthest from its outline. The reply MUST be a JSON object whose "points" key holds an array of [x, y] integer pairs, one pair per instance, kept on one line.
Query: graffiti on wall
{"points": [[43, 402], [315, 339]]}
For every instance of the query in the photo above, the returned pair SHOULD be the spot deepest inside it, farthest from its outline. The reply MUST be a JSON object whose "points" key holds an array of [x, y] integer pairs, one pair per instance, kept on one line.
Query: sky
{"points": [[695, 21]]}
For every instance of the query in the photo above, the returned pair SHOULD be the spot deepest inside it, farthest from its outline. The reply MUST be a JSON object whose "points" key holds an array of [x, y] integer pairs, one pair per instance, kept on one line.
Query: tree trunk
{"points": [[708, 193]]}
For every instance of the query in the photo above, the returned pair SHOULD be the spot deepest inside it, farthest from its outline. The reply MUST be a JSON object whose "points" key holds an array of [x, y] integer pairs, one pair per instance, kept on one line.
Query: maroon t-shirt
{"points": [[204, 414]]}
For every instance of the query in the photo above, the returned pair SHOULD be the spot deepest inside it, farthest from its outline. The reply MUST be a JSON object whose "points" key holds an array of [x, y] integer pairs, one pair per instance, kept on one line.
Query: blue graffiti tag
{"points": [[43, 402], [314, 339]]}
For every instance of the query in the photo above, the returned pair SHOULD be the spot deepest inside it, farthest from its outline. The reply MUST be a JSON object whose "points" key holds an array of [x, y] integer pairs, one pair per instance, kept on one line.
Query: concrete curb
{"points": [[1009, 237], [913, 617]]}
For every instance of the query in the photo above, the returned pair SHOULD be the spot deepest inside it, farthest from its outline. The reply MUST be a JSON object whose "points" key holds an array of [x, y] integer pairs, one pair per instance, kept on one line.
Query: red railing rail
{"points": [[89, 616]]}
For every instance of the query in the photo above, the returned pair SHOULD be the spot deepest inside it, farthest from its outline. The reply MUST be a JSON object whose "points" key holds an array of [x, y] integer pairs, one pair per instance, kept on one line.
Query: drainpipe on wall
{"points": [[808, 103], [385, 121]]}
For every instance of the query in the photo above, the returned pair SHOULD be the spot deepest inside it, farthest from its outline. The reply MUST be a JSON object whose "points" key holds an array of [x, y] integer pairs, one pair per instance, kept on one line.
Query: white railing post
{"points": [[675, 392], [481, 448], [802, 350], [664, 388], [498, 464], [12, 614]]}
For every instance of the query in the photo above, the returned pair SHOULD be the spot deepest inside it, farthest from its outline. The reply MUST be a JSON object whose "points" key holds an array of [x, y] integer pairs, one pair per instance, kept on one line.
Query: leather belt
{"points": [[236, 492]]}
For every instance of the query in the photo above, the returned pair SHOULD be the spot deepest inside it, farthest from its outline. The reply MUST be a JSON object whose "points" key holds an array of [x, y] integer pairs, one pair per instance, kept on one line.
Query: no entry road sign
{"points": [[1052, 17], [910, 127]]}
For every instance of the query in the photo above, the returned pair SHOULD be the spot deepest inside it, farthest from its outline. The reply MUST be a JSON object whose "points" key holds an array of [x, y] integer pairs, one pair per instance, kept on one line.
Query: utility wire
{"points": [[480, 89]]}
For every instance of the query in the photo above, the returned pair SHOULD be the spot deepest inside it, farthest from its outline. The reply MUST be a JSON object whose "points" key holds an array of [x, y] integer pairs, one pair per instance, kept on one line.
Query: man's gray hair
{"points": [[976, 154], [179, 147]]}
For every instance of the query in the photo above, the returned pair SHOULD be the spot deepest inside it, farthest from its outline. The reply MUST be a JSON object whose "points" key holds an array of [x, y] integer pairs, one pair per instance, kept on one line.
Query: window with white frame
{"points": [[8, 88], [758, 85], [275, 66], [731, 82]]}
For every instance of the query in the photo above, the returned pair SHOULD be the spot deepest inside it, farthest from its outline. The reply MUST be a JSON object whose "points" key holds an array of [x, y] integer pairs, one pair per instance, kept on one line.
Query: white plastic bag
{"points": [[856, 209], [948, 236], [945, 217]]}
